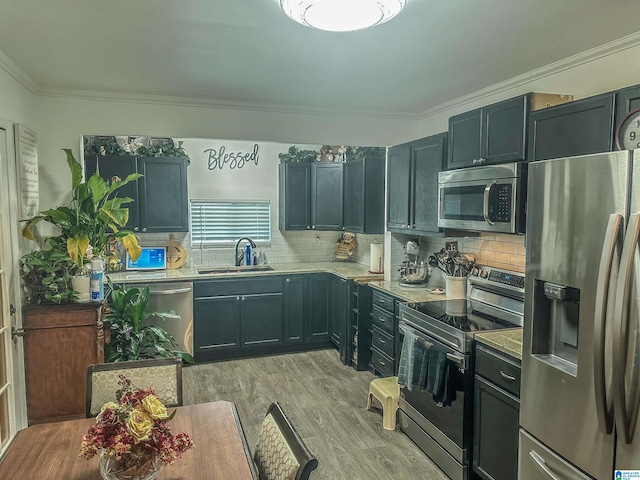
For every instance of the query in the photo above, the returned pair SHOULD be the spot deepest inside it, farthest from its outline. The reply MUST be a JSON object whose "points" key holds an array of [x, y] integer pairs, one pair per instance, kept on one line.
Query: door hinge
{"points": [[12, 309]]}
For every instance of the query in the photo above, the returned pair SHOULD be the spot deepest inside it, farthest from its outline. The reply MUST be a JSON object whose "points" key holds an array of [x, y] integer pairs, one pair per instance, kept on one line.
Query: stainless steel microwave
{"points": [[491, 198]]}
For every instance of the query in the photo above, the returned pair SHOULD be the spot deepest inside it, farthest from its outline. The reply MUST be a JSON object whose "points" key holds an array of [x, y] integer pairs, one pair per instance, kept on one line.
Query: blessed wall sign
{"points": [[217, 159]]}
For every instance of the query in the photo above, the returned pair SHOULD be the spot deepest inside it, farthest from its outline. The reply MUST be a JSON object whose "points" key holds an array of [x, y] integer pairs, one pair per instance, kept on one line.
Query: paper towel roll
{"points": [[376, 263]]}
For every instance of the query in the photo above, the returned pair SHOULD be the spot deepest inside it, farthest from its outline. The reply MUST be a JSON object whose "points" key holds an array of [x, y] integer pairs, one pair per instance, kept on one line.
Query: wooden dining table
{"points": [[50, 450]]}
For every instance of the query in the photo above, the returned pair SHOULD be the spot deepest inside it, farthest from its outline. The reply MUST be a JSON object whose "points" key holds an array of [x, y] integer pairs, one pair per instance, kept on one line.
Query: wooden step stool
{"points": [[386, 390]]}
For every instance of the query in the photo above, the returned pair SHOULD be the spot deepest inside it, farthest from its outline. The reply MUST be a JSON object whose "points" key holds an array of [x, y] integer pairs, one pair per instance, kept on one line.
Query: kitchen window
{"points": [[220, 223]]}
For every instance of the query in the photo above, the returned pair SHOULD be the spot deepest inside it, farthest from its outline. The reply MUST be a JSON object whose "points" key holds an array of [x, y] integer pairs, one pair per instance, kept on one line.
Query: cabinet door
{"points": [[398, 188], [504, 131], [339, 298], [354, 196], [216, 324], [164, 200], [295, 299], [319, 307], [627, 100], [295, 196], [495, 443], [119, 166], [261, 319], [427, 158], [326, 196], [464, 139], [576, 128]]}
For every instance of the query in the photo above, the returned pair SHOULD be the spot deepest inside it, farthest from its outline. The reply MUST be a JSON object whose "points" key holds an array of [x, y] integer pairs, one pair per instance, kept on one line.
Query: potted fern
{"points": [[93, 218]]}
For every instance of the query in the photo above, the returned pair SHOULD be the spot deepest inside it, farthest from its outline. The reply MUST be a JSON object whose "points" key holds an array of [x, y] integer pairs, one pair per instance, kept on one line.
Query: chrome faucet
{"points": [[239, 258]]}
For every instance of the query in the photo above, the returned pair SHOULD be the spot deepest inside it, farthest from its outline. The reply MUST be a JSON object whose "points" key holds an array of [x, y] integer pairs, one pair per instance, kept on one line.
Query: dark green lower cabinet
{"points": [[319, 307], [295, 292], [338, 321], [218, 324], [261, 315], [261, 319]]}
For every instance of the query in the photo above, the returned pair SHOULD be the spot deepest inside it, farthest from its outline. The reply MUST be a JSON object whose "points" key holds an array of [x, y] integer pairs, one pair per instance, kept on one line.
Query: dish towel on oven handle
{"points": [[439, 379], [414, 362]]}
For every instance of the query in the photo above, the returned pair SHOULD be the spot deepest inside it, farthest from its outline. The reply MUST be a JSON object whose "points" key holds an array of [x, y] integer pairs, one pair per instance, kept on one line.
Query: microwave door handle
{"points": [[625, 423], [604, 407], [485, 203]]}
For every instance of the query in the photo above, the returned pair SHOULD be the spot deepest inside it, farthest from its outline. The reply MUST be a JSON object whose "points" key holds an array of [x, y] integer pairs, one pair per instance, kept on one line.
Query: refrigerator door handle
{"points": [[542, 465], [625, 423], [604, 407], [485, 203]]}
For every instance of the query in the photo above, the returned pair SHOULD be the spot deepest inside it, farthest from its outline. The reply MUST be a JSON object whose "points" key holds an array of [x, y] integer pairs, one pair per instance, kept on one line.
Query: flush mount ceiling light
{"points": [[341, 15]]}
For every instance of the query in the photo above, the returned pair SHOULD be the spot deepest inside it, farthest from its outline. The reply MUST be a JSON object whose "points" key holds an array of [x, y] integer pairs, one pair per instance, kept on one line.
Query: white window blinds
{"points": [[216, 222]]}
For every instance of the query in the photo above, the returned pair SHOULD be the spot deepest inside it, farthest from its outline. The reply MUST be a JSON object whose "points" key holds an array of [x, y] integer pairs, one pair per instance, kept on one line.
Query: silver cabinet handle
{"points": [[604, 408], [507, 377], [308, 227], [242, 298], [381, 341], [381, 300], [288, 280], [238, 298], [381, 319], [485, 203], [542, 465], [381, 362], [625, 423], [135, 229], [144, 229]]}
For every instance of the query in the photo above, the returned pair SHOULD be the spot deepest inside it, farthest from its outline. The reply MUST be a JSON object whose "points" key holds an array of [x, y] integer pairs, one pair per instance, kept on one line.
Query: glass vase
{"points": [[112, 469]]}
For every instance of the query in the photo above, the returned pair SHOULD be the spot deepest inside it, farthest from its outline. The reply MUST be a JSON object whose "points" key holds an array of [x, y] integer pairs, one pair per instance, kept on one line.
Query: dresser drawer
{"points": [[382, 363], [383, 340], [383, 319], [498, 369], [383, 301]]}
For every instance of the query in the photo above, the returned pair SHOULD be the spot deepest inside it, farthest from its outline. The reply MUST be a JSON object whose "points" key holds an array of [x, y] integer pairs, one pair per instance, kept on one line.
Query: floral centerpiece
{"points": [[132, 435]]}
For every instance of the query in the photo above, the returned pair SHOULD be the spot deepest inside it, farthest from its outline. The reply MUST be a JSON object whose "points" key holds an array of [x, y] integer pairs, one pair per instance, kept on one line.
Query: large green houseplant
{"points": [[131, 338], [93, 218]]}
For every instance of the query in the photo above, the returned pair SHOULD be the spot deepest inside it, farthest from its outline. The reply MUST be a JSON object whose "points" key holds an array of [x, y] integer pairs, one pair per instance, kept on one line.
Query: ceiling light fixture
{"points": [[342, 15]]}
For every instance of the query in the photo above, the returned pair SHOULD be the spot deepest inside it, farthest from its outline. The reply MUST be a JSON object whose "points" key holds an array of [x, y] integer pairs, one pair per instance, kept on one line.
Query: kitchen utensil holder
{"points": [[456, 287]]}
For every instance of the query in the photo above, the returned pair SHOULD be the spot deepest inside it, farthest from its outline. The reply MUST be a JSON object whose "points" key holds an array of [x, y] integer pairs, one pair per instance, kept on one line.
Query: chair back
{"points": [[281, 454], [164, 375]]}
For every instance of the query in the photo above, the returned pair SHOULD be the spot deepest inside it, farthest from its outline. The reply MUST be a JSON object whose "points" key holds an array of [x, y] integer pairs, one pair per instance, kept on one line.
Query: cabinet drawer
{"points": [[498, 369], [383, 301], [238, 286], [382, 363], [383, 319], [383, 341]]}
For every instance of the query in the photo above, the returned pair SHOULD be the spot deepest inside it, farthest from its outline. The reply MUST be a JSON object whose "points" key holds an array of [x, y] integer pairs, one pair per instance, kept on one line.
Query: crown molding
{"points": [[18, 73], [587, 56], [200, 102]]}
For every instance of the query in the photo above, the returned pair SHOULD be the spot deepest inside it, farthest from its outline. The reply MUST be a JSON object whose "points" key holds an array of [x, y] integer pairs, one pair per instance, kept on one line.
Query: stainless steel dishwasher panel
{"points": [[177, 296]]}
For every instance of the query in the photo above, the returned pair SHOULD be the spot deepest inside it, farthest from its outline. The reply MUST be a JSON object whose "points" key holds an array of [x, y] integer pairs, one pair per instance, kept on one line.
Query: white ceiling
{"points": [[248, 53]]}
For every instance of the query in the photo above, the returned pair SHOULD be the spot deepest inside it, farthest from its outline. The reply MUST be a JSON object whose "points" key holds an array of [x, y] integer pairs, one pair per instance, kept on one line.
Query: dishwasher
{"points": [[176, 296]]}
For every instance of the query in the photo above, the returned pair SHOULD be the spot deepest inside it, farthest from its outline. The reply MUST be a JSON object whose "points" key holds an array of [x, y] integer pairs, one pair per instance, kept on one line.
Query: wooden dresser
{"points": [[60, 342]]}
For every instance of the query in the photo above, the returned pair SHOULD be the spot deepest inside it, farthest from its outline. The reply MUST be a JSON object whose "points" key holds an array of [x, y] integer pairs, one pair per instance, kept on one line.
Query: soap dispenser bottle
{"points": [[247, 254]]}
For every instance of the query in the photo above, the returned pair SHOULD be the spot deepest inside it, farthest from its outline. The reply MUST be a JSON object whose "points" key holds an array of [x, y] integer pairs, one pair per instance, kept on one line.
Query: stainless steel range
{"points": [[436, 395]]}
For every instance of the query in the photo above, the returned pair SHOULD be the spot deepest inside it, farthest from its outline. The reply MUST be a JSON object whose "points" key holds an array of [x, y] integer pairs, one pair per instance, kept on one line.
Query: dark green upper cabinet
{"points": [[413, 185], [364, 195], [577, 128], [164, 200], [489, 135], [627, 100], [118, 166], [326, 196], [295, 196], [161, 200]]}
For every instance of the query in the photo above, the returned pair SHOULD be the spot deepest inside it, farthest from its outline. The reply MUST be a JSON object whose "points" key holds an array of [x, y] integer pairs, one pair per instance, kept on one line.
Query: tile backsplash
{"points": [[491, 250], [285, 247]]}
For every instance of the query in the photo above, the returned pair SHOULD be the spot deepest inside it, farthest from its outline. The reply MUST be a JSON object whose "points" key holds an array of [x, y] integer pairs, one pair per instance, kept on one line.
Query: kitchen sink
{"points": [[252, 268]]}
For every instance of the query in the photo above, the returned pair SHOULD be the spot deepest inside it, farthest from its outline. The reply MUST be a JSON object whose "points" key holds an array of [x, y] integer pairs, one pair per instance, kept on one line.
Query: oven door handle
{"points": [[485, 202], [459, 360]]}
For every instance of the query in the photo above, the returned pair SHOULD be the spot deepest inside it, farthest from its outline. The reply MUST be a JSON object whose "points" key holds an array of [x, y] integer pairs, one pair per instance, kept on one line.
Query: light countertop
{"points": [[507, 341], [344, 270], [410, 294]]}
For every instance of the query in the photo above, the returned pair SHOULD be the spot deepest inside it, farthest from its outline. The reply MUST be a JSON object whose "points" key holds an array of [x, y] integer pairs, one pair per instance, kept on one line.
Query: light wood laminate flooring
{"points": [[325, 401]]}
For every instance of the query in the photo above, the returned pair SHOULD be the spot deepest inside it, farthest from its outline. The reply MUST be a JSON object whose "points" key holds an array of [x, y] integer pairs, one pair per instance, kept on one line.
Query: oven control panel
{"points": [[502, 277]]}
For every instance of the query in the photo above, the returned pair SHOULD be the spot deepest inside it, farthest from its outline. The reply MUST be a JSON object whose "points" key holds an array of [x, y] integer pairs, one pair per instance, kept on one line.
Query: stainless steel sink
{"points": [[252, 268]]}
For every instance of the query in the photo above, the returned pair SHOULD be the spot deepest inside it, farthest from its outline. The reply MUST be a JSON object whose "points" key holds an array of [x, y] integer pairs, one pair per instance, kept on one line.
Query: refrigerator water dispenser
{"points": [[556, 311]]}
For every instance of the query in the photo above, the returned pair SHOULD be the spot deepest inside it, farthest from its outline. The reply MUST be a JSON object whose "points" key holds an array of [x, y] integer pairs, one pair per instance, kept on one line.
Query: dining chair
{"points": [[281, 454], [164, 375]]}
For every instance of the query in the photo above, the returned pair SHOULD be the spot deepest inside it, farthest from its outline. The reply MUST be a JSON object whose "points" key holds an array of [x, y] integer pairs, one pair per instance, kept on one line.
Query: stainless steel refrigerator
{"points": [[581, 352]]}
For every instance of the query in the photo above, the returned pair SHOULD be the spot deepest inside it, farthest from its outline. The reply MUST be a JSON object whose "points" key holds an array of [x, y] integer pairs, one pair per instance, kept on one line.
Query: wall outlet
{"points": [[451, 246]]}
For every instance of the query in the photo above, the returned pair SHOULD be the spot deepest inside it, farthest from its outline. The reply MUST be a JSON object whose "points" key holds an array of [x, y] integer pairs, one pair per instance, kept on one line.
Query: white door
{"points": [[12, 410]]}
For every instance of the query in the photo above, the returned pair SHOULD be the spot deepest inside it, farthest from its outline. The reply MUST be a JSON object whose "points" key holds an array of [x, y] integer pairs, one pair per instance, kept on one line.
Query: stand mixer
{"points": [[413, 271]]}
